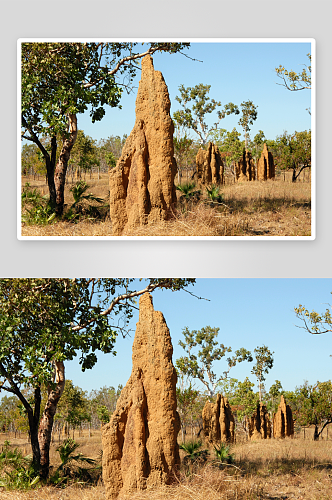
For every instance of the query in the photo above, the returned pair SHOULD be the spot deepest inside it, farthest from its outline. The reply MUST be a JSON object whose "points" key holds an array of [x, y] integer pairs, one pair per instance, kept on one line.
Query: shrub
{"points": [[17, 472]]}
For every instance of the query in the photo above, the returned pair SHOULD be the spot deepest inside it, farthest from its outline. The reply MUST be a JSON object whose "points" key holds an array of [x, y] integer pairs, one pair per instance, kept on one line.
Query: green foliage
{"points": [[185, 150], [189, 194], [295, 81], [314, 322], [78, 194], [187, 190], [194, 454], [264, 363], [81, 205], [200, 365], [189, 403], [230, 144], [103, 414], [74, 467], [292, 152], [256, 146], [31, 161], [73, 405], [312, 405], [110, 159], [273, 397], [47, 321], [110, 150], [213, 194], [223, 455], [84, 154], [244, 400], [249, 115], [17, 472], [62, 80], [193, 117], [103, 402], [36, 208]]}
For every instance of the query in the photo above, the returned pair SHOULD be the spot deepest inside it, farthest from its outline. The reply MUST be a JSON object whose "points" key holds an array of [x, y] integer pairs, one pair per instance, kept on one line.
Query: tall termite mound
{"points": [[245, 168], [265, 165], [140, 448], [209, 166], [259, 424], [142, 186], [218, 421], [283, 423]]}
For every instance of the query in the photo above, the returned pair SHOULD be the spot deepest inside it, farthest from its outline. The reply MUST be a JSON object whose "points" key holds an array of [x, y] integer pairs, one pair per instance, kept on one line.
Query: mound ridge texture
{"points": [[209, 166], [265, 165], [140, 447], [283, 424], [245, 168], [142, 186], [218, 421], [259, 424]]}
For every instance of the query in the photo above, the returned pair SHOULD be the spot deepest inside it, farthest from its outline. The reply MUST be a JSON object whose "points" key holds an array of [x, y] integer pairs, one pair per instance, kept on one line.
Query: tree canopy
{"points": [[200, 365], [61, 80], [201, 105], [47, 321], [295, 81]]}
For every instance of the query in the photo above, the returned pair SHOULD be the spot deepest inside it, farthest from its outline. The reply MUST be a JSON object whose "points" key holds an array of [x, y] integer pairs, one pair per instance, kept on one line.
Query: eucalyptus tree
{"points": [[315, 322], [45, 322], [196, 105], [312, 405], [294, 81], [294, 152], [249, 115], [60, 80], [199, 365], [230, 144], [264, 363]]}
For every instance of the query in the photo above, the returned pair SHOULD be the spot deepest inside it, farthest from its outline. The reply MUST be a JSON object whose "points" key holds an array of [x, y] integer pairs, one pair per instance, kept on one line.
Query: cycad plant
{"points": [[222, 454], [194, 454], [79, 190], [71, 463], [213, 194], [188, 193], [36, 209], [80, 195], [16, 471]]}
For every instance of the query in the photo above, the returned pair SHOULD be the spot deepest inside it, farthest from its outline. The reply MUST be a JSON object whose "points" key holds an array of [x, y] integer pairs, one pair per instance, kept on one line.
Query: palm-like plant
{"points": [[188, 193], [17, 472], [213, 194], [222, 454], [78, 191], [71, 463], [186, 189], [194, 454]]}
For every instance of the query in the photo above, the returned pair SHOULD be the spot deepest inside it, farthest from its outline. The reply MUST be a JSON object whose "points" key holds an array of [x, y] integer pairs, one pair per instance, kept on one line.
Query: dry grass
{"points": [[272, 208], [273, 469]]}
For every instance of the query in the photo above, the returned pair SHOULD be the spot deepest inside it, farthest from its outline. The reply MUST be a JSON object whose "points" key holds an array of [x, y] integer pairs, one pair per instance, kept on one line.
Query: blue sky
{"points": [[237, 72], [249, 313]]}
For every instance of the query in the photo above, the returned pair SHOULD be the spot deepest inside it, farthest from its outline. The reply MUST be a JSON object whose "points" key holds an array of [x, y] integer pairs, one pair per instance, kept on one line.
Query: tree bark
{"points": [[46, 421], [62, 165], [316, 433], [50, 167], [33, 417]]}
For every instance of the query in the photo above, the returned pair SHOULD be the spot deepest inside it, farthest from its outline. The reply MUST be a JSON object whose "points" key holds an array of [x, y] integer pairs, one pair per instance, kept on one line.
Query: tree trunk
{"points": [[46, 421], [33, 417], [50, 167], [316, 433], [62, 165]]}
